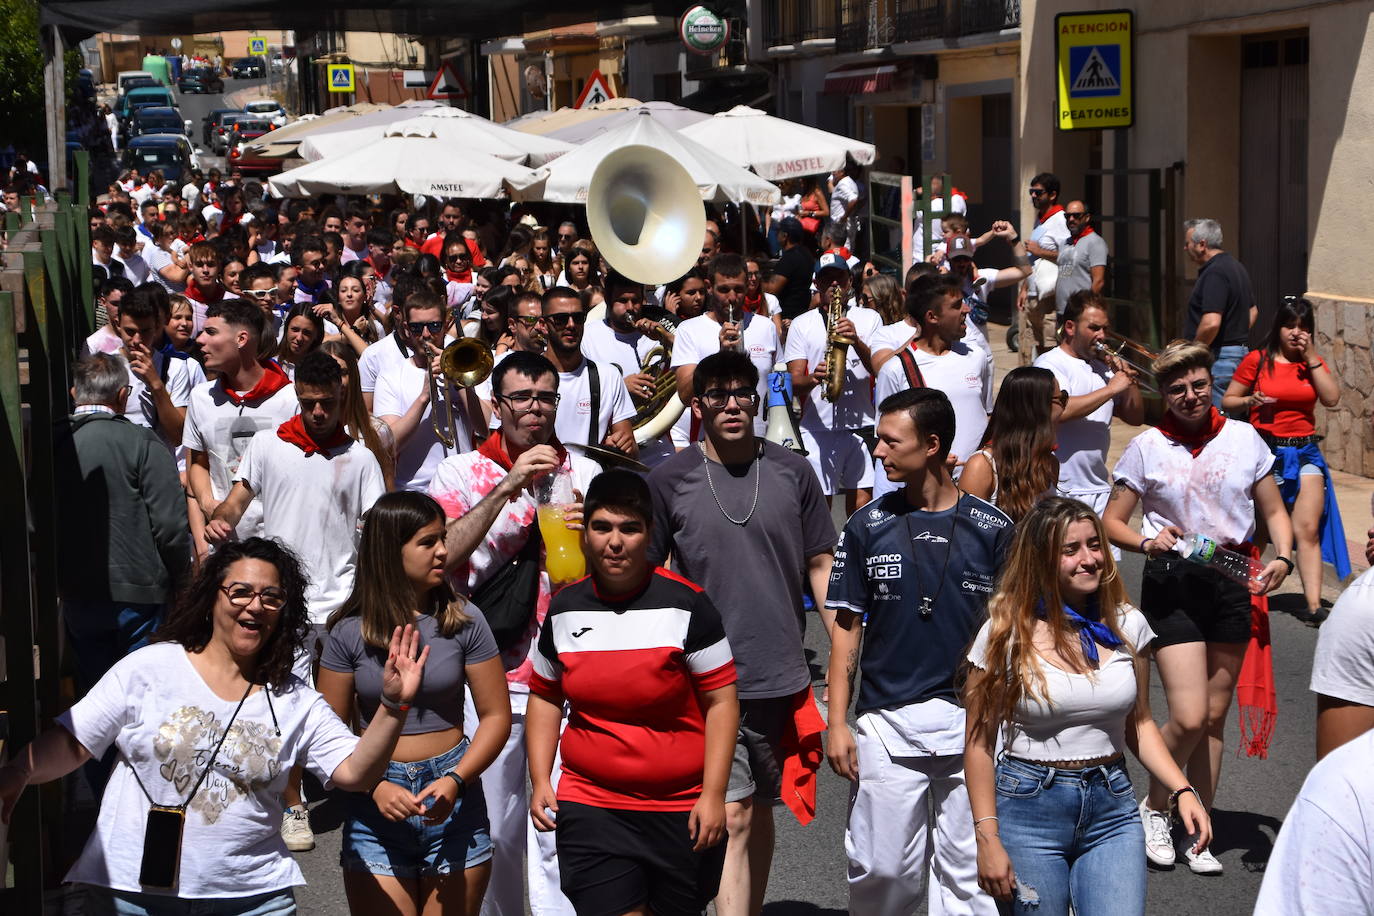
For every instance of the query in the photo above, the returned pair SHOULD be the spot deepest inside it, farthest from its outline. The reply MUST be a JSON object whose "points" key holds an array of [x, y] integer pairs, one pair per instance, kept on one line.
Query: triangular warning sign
{"points": [[596, 90], [1095, 75], [447, 84]]}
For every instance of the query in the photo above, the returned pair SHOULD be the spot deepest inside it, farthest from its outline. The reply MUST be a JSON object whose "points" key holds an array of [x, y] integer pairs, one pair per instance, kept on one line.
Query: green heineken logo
{"points": [[702, 31]]}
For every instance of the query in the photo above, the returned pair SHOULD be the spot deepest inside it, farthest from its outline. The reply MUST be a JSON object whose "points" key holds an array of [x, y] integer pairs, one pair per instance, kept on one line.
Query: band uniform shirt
{"points": [[963, 374], [572, 422], [699, 337], [808, 339], [1082, 444]]}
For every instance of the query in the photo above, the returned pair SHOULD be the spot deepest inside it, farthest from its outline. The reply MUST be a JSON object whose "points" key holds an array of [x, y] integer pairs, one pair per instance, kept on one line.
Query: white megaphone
{"points": [[782, 421]]}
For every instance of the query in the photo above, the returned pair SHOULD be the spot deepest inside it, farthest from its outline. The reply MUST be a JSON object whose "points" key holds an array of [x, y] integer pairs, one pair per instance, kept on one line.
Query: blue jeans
{"points": [[102, 901], [1223, 367], [411, 848], [1074, 837]]}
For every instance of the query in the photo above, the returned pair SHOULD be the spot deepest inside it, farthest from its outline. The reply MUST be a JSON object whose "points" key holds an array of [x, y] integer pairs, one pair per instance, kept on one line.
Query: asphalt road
{"points": [[195, 106], [809, 865]]}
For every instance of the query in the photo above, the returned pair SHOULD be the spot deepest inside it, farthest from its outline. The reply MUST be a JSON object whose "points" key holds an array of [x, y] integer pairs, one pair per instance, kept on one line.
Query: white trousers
{"points": [[910, 835], [507, 789]]}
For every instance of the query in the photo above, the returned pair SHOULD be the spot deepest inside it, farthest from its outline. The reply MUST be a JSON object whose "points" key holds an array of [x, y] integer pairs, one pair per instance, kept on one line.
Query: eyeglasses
{"points": [[241, 594], [419, 327], [558, 319], [524, 400], [529, 321], [718, 398], [566, 238], [258, 295], [1198, 387]]}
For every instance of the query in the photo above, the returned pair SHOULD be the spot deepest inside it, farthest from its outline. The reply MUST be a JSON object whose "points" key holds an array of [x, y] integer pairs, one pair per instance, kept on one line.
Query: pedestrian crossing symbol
{"points": [[257, 45], [1094, 56], [1097, 70], [340, 77]]}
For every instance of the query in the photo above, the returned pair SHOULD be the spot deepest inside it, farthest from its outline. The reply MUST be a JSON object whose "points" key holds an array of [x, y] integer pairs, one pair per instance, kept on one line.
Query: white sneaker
{"points": [[1159, 841], [295, 829], [1202, 863]]}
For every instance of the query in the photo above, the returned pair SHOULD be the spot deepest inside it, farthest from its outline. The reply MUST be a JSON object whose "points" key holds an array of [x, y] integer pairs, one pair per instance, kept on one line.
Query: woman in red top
{"points": [[1280, 386]]}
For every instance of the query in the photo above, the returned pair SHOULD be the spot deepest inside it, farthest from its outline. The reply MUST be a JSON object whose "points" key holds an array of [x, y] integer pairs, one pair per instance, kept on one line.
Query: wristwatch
{"points": [[462, 786]]}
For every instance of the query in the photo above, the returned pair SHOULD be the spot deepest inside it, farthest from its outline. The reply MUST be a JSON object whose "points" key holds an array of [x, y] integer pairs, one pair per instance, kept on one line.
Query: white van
{"points": [[122, 80]]}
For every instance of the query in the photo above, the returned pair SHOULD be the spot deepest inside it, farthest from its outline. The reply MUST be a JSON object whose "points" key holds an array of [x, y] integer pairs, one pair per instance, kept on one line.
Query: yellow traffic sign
{"points": [[257, 45], [1096, 85], [340, 77]]}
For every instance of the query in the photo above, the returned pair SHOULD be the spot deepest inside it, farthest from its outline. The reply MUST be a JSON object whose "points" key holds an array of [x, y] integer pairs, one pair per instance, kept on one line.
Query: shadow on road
{"points": [[798, 908], [1252, 834]]}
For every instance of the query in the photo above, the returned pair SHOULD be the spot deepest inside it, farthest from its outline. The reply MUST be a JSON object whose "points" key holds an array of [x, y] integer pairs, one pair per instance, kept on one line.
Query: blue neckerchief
{"points": [[1091, 631]]}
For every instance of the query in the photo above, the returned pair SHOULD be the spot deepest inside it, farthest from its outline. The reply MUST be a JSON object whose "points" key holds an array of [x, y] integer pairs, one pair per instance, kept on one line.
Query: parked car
{"points": [[211, 122], [247, 68], [158, 120], [223, 133], [200, 80], [247, 156], [246, 128], [267, 109], [171, 154], [144, 95]]}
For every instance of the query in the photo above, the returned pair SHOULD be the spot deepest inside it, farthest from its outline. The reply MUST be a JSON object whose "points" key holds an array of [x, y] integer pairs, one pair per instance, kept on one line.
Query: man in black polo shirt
{"points": [[791, 280], [1222, 306], [911, 577]]}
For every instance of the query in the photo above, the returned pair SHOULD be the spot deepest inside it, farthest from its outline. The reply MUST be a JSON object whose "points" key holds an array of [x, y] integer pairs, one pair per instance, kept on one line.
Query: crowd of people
{"points": [[529, 674]]}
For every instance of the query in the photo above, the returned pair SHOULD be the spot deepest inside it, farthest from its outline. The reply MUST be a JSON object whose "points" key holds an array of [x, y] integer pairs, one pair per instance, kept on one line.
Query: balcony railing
{"points": [[863, 24], [791, 22]]}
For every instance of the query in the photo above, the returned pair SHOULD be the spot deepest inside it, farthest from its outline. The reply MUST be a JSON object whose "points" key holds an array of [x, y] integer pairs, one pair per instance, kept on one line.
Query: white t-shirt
{"points": [[315, 503], [136, 269], [1211, 493], [963, 375], [1343, 666], [157, 259], [213, 215], [1086, 715], [699, 337], [1083, 443], [191, 195], [892, 336], [846, 191], [1323, 860], [222, 429], [103, 340], [957, 204], [1052, 233], [397, 388], [164, 720], [179, 376], [573, 420], [378, 358], [602, 343], [807, 339]]}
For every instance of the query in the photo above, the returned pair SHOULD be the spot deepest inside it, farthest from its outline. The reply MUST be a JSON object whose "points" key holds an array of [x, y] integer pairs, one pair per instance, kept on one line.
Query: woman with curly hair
{"points": [[1016, 465], [207, 722], [1061, 671]]}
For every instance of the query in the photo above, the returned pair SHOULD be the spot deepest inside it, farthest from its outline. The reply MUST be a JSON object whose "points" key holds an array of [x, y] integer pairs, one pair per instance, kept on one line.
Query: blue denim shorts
{"points": [[103, 901], [411, 848]]}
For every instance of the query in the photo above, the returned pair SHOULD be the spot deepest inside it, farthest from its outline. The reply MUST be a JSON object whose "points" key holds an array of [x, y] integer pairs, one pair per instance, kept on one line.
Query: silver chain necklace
{"points": [[758, 474]]}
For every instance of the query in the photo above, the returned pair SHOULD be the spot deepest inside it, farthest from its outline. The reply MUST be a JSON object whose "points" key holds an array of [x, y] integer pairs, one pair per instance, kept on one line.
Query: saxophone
{"points": [[837, 350]]}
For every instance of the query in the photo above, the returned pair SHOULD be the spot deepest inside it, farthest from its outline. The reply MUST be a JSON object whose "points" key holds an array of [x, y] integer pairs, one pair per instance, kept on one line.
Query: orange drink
{"points": [[563, 547]]}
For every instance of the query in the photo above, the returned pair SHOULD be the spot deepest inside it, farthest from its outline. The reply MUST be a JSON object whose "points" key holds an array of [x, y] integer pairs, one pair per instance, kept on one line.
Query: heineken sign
{"points": [[702, 31]]}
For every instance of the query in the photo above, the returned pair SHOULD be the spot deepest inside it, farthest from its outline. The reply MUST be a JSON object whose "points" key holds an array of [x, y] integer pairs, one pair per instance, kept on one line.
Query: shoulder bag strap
{"points": [[594, 435]]}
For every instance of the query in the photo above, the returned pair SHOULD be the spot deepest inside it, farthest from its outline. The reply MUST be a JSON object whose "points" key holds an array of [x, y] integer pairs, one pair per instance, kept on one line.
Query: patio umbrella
{"points": [[284, 140], [776, 148], [673, 117], [452, 124], [409, 158], [717, 178]]}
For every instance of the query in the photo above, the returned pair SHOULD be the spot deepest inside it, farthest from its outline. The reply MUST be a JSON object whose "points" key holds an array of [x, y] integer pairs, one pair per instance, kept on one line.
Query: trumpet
{"points": [[466, 362], [1130, 355]]}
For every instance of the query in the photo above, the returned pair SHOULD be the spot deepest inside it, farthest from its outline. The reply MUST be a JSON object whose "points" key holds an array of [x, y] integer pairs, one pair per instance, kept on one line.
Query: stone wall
{"points": [[1344, 329]]}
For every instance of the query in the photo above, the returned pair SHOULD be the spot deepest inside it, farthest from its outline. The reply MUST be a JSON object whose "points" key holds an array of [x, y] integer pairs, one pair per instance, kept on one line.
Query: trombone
{"points": [[1131, 355], [466, 362]]}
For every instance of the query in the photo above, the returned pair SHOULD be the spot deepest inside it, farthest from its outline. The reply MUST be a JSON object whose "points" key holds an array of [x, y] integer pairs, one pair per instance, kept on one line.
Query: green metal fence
{"points": [[46, 310]]}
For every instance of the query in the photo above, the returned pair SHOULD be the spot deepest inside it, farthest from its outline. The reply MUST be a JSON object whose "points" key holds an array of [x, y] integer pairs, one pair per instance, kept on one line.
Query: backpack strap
{"points": [[594, 435]]}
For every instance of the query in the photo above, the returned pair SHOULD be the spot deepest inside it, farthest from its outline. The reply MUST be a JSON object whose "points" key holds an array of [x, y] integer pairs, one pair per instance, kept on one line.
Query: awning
{"points": [[860, 79]]}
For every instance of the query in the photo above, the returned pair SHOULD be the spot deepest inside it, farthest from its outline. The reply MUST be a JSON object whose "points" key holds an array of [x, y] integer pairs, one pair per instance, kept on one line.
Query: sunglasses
{"points": [[453, 258], [419, 327], [558, 319], [529, 321], [258, 295]]}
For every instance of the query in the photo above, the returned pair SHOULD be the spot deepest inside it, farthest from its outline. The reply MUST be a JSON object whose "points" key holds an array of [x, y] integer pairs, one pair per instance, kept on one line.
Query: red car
{"points": [[242, 149]]}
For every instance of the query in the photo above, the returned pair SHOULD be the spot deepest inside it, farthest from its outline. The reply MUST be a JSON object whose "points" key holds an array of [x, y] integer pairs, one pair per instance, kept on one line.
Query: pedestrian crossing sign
{"points": [[257, 45], [340, 77], [1095, 70]]}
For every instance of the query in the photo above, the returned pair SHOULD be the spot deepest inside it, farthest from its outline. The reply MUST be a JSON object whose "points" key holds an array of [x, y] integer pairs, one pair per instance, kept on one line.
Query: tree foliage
{"points": [[21, 77]]}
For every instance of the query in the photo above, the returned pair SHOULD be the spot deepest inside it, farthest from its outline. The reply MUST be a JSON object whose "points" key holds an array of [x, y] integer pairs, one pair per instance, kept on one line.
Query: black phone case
{"points": [[162, 847]]}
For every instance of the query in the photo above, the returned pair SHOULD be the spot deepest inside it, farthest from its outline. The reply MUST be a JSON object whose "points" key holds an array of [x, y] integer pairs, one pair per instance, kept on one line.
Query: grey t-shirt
{"points": [[1076, 261], [439, 704], [753, 573]]}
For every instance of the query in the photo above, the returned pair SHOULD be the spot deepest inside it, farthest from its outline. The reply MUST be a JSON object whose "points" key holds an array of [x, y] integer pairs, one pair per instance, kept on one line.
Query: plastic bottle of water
{"points": [[1204, 551]]}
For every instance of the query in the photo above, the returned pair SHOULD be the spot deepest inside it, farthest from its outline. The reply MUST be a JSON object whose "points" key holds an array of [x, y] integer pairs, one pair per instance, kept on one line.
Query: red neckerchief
{"points": [[1256, 695], [456, 277], [381, 274], [756, 304], [293, 431], [957, 193], [273, 380], [494, 447], [1050, 212], [1194, 442], [411, 243], [1086, 230], [193, 292]]}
